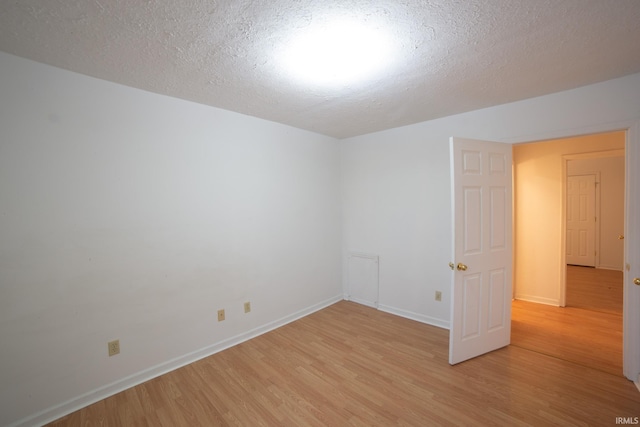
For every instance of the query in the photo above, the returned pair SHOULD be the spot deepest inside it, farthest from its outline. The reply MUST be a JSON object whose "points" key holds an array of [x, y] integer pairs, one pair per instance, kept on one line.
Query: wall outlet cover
{"points": [[114, 347]]}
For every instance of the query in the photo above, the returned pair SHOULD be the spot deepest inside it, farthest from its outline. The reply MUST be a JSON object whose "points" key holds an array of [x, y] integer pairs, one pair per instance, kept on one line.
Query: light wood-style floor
{"points": [[594, 289], [353, 365], [588, 331]]}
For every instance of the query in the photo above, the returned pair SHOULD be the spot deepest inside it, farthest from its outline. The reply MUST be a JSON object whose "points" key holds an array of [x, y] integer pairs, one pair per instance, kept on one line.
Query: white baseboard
{"points": [[372, 304], [609, 267], [539, 300], [415, 316], [53, 413]]}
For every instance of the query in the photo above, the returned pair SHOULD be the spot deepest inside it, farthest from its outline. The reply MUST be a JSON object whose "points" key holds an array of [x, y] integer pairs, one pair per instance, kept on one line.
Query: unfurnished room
{"points": [[291, 213]]}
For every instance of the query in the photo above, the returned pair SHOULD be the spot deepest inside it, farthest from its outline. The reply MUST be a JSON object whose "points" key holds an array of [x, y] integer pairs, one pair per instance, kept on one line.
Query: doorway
{"points": [[542, 281]]}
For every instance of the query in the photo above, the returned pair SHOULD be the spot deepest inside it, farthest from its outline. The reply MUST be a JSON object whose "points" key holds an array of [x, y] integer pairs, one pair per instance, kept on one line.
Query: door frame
{"points": [[596, 207], [630, 318]]}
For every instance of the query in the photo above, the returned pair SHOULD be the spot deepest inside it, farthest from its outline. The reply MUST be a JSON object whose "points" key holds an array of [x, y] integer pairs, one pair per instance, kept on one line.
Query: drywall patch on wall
{"points": [[362, 286]]}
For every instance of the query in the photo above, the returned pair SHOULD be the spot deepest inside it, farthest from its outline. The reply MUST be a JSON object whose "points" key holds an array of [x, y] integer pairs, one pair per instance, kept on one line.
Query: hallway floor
{"points": [[588, 331]]}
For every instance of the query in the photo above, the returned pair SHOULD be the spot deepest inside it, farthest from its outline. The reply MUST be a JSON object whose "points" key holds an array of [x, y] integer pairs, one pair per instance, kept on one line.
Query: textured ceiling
{"points": [[451, 56]]}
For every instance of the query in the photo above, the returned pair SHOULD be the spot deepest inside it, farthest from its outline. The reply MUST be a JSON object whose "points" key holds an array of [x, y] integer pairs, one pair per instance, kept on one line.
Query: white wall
{"points": [[610, 254], [396, 185], [133, 216]]}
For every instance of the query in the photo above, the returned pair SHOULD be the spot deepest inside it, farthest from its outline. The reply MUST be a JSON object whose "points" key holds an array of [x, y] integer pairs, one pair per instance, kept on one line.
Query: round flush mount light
{"points": [[337, 52]]}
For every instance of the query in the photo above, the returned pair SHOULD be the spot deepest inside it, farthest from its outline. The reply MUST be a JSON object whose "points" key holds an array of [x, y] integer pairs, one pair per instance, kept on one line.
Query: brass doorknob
{"points": [[461, 267], [636, 281]]}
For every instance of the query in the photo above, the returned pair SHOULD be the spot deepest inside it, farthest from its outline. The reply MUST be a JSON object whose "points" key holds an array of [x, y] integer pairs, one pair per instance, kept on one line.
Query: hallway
{"points": [[588, 331]]}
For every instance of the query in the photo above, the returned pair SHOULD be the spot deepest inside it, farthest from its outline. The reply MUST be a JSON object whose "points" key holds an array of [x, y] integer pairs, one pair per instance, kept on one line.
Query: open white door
{"points": [[482, 248]]}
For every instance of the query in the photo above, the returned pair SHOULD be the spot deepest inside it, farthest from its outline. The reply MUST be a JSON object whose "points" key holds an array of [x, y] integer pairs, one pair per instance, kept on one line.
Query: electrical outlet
{"points": [[114, 347], [247, 307], [220, 315], [438, 296]]}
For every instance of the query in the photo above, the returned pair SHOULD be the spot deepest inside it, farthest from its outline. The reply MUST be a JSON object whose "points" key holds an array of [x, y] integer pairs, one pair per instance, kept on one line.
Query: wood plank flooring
{"points": [[587, 332], [353, 365], [594, 289]]}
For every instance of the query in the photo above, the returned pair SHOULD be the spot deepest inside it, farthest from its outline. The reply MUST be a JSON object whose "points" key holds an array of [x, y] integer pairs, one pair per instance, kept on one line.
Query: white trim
{"points": [[562, 290], [595, 154], [415, 316], [605, 267], [539, 300], [630, 313], [571, 133], [361, 301], [53, 413]]}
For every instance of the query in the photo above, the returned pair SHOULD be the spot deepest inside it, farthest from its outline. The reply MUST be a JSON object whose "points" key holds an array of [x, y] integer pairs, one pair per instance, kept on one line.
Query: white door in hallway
{"points": [[482, 248], [581, 220]]}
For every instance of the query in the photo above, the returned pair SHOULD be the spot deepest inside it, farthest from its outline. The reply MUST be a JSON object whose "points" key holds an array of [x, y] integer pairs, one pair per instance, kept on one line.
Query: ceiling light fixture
{"points": [[337, 53]]}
